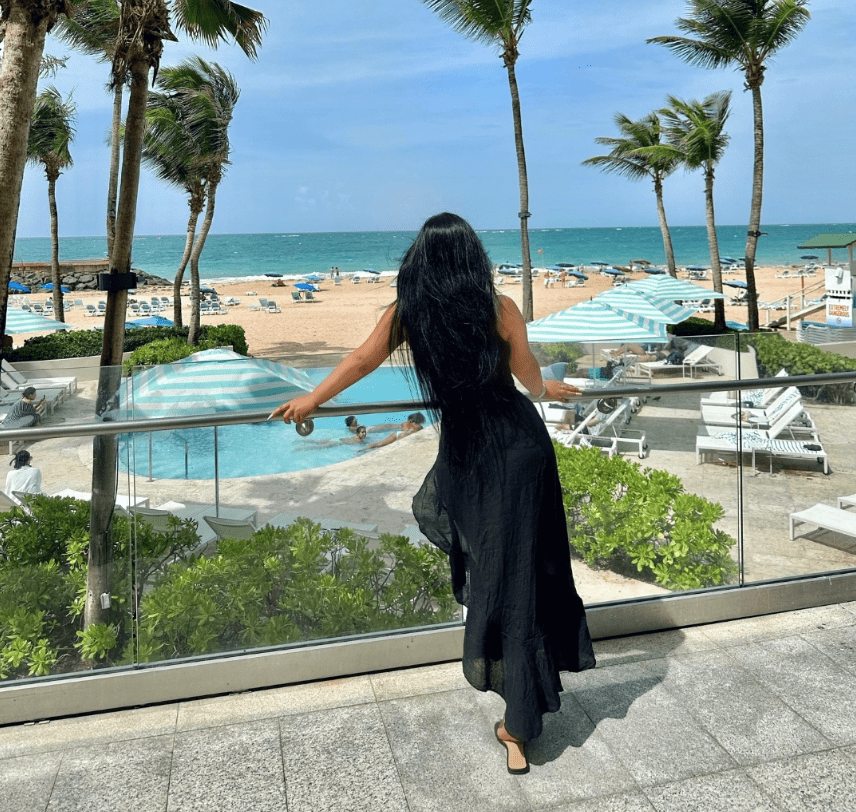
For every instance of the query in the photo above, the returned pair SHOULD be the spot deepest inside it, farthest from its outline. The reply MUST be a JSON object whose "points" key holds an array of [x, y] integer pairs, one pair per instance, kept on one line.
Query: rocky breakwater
{"points": [[81, 275]]}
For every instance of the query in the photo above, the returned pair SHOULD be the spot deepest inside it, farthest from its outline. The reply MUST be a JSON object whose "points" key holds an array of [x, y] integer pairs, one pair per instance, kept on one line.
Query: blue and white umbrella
{"points": [[211, 381], [150, 321], [17, 286], [667, 287], [644, 304], [653, 269], [736, 283], [314, 277], [23, 321], [305, 286], [595, 320]]}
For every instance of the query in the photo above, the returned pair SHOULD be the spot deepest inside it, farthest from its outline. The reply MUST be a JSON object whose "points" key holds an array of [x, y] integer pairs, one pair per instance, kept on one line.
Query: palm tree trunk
{"points": [[664, 228], [23, 45], [115, 149], [713, 243], [59, 312], [105, 447], [755, 209], [527, 309], [193, 332], [195, 202]]}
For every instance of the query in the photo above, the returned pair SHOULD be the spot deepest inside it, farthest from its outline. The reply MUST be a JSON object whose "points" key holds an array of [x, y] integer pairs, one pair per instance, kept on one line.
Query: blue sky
{"points": [[364, 115]]}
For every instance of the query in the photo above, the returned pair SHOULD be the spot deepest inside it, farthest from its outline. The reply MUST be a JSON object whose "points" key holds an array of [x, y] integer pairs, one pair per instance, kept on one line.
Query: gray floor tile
{"points": [[647, 728], [837, 644], [770, 627], [228, 768], [416, 681], [823, 693], [339, 760], [26, 782], [749, 721], [99, 728], [650, 646], [822, 782], [274, 702], [447, 756], [570, 760], [131, 775], [625, 802], [731, 791]]}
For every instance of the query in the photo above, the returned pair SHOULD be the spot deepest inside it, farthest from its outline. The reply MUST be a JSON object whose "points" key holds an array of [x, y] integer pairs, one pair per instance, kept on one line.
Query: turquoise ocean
{"points": [[251, 256]]}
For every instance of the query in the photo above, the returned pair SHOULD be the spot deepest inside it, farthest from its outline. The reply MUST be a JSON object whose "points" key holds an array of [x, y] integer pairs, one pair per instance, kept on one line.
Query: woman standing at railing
{"points": [[492, 501]]}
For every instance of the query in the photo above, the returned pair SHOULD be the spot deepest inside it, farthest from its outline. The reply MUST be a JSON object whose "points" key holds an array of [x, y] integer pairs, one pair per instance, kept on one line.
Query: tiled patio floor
{"points": [[756, 714]]}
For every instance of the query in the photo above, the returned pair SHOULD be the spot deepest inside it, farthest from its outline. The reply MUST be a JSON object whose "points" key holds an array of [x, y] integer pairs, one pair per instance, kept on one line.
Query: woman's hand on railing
{"points": [[559, 390], [297, 410]]}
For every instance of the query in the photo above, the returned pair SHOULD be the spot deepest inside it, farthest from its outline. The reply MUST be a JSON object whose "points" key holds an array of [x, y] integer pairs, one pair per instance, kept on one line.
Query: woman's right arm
{"points": [[363, 360]]}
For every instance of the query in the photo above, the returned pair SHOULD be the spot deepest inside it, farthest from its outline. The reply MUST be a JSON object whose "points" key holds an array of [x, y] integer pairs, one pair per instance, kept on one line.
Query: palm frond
{"points": [[495, 22], [92, 29], [213, 21], [52, 128]]}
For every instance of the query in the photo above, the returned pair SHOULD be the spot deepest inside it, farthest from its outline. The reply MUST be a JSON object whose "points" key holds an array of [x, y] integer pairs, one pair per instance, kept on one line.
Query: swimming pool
{"points": [[267, 448]]}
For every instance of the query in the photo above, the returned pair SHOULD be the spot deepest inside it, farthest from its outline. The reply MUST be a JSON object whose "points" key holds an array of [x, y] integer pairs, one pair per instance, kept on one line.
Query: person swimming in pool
{"points": [[414, 423]]}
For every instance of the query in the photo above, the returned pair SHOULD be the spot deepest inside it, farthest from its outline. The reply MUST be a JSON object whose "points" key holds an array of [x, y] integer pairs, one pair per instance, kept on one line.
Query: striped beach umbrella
{"points": [[594, 321], [644, 304], [667, 287], [211, 381], [22, 321]]}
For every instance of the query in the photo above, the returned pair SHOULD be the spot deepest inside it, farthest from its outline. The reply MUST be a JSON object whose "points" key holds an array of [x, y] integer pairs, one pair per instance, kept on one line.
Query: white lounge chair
{"points": [[751, 398], [694, 360], [826, 517], [230, 528], [789, 403], [67, 383]]}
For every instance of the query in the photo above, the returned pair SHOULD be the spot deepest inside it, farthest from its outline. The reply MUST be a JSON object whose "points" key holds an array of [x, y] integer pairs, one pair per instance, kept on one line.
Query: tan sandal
{"points": [[516, 762]]}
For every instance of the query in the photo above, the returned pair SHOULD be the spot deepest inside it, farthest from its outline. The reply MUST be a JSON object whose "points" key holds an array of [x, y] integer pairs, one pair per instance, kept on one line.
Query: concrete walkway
{"points": [[756, 714]]}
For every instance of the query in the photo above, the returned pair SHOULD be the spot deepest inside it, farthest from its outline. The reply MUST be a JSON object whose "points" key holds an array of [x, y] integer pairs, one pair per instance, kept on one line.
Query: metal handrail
{"points": [[256, 416]]}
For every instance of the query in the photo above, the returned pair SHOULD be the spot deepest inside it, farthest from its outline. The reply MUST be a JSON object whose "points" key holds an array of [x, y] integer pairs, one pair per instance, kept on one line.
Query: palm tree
{"points": [[206, 95], [143, 27], [624, 159], [500, 23], [696, 135], [94, 30], [25, 25], [164, 131], [743, 34], [51, 133]]}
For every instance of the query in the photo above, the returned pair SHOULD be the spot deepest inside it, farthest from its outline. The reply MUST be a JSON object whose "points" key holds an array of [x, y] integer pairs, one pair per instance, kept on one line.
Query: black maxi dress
{"points": [[506, 536]]}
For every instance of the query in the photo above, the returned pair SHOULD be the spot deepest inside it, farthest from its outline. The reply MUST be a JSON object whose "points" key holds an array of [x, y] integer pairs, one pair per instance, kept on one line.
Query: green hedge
{"points": [[83, 343], [626, 518], [284, 585]]}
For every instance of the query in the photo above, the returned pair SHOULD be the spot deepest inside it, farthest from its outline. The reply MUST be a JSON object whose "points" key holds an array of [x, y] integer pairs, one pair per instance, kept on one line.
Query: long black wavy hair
{"points": [[447, 313]]}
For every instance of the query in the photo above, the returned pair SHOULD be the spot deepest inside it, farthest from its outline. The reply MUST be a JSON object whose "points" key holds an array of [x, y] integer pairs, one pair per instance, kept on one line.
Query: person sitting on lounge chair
{"points": [[25, 413], [23, 478]]}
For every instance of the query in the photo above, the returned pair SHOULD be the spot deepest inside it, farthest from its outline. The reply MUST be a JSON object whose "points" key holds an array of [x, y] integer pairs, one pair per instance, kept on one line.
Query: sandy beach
{"points": [[343, 315]]}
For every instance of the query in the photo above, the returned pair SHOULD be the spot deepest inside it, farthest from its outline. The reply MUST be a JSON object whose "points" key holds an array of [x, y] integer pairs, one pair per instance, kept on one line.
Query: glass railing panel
{"points": [[643, 518], [797, 491]]}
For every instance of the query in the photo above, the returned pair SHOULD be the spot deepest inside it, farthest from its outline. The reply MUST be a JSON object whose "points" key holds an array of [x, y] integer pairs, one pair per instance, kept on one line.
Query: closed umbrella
{"points": [[736, 283], [211, 381], [667, 287], [13, 285], [371, 270], [593, 321], [21, 321], [49, 286]]}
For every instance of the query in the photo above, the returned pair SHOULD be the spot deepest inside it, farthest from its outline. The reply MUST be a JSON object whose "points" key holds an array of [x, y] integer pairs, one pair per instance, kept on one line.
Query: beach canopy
{"points": [[736, 283], [612, 271], [305, 286], [211, 381], [22, 321], [667, 287], [13, 285], [49, 286], [150, 321], [595, 320], [644, 304], [313, 277]]}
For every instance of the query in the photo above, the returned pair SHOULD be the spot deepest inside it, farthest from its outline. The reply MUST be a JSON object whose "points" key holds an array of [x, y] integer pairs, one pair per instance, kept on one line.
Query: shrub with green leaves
{"points": [[547, 354], [775, 353], [621, 516], [287, 585], [283, 585], [84, 343]]}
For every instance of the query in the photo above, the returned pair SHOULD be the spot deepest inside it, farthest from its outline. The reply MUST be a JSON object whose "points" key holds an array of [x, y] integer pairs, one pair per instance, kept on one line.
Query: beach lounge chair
{"points": [[263, 303], [696, 359], [91, 310], [102, 308], [296, 297], [272, 308], [826, 517], [7, 503], [750, 398], [145, 309], [78, 303], [121, 500], [310, 296], [158, 519], [68, 383], [135, 308], [604, 431], [789, 403], [230, 528]]}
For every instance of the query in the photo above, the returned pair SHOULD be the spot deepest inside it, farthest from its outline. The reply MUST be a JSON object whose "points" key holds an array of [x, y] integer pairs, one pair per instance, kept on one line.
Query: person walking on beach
{"points": [[492, 501]]}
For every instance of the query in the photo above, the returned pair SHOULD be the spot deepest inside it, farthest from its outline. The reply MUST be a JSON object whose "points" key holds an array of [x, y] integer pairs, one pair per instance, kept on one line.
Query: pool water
{"points": [[266, 448]]}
